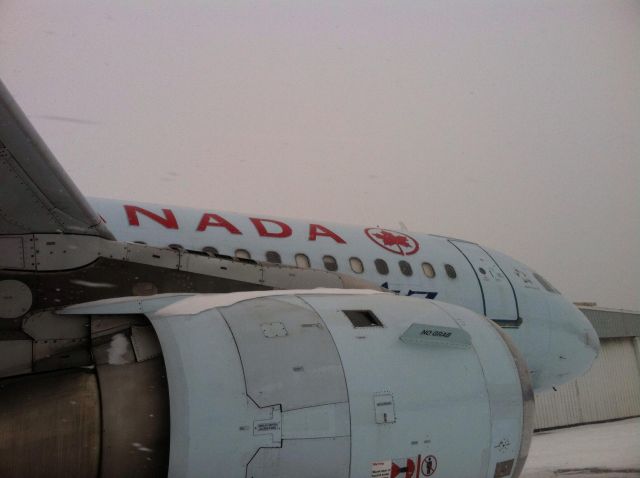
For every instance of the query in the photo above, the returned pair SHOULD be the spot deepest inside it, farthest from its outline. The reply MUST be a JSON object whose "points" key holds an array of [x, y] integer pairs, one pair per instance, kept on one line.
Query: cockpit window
{"points": [[546, 284]]}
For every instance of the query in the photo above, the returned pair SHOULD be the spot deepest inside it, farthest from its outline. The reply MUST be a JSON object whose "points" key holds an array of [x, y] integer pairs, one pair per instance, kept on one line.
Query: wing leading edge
{"points": [[36, 195]]}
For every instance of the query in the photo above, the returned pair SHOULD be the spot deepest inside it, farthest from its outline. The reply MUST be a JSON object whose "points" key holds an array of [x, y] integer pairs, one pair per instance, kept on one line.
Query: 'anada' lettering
{"points": [[169, 220], [259, 224], [316, 230], [264, 227], [214, 220]]}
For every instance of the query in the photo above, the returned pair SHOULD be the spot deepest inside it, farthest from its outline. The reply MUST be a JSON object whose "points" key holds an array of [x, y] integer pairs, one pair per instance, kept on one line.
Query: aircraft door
{"points": [[499, 299]]}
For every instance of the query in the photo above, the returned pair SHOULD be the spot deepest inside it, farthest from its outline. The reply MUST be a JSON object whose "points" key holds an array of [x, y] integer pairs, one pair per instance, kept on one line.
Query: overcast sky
{"points": [[512, 124]]}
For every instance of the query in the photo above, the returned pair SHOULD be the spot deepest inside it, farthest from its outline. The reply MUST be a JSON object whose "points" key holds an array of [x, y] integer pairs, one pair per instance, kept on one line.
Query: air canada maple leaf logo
{"points": [[392, 241]]}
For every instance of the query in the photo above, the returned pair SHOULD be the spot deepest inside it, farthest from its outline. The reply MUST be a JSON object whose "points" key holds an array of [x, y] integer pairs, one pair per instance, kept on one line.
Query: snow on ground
{"points": [[610, 450]]}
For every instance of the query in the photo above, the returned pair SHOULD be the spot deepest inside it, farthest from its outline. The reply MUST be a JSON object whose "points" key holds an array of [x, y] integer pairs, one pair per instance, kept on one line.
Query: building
{"points": [[611, 389]]}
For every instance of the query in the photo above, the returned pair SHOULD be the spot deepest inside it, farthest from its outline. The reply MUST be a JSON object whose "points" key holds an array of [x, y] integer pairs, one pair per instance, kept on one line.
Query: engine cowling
{"points": [[314, 383]]}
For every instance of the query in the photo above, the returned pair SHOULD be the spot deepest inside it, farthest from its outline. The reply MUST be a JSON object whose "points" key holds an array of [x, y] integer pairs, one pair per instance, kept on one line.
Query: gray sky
{"points": [[512, 124]]}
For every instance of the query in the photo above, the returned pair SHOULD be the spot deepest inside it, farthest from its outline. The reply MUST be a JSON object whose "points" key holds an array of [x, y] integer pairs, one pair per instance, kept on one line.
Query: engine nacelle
{"points": [[322, 383]]}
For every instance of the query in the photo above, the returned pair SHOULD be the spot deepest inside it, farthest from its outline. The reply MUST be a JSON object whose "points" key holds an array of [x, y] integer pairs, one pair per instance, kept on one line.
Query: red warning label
{"points": [[404, 468], [413, 467]]}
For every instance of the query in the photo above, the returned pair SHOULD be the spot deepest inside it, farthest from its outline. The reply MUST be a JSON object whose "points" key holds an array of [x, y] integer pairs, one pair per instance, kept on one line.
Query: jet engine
{"points": [[320, 383]]}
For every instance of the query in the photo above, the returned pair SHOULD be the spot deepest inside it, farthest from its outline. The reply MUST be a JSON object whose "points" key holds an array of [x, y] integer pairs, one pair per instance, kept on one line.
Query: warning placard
{"points": [[413, 467], [381, 469]]}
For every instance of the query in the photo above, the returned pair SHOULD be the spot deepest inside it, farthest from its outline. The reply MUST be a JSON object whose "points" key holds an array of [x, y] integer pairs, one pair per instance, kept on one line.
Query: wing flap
{"points": [[36, 195]]}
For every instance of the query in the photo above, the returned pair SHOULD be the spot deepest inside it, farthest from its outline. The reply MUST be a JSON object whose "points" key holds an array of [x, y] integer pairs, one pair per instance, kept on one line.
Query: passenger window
{"points": [[381, 266], [176, 247], [302, 261], [362, 318], [210, 251], [428, 270], [450, 270], [273, 257], [356, 265], [330, 263], [546, 284], [243, 254], [405, 268]]}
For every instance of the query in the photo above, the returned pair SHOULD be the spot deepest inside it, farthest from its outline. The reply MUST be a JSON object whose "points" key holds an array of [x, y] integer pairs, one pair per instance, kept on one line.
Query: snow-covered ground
{"points": [[609, 450]]}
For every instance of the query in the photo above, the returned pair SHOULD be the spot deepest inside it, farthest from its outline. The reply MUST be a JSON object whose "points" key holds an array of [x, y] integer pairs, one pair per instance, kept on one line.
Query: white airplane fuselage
{"points": [[214, 363], [556, 339]]}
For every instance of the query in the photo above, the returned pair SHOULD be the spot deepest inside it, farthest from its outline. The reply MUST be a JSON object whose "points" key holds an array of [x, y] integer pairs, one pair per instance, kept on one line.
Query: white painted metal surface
{"points": [[498, 295], [319, 395]]}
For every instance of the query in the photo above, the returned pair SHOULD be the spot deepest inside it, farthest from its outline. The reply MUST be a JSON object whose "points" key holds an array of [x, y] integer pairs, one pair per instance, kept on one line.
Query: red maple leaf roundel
{"points": [[392, 241]]}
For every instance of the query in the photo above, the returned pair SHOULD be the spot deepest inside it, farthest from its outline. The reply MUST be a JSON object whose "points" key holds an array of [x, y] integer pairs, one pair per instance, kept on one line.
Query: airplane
{"points": [[154, 340]]}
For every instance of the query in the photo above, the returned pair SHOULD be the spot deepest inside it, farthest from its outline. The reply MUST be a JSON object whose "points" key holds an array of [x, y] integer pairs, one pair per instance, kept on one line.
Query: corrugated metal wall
{"points": [[611, 389], [613, 323]]}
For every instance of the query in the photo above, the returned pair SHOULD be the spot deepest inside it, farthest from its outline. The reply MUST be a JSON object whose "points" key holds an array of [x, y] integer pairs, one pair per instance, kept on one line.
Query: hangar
{"points": [[611, 389]]}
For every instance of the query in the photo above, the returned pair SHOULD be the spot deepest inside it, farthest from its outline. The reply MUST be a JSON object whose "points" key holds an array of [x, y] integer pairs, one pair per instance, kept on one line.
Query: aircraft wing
{"points": [[36, 195]]}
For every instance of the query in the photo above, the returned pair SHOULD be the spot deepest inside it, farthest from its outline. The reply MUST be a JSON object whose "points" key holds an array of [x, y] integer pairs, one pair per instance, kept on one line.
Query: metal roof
{"points": [[611, 323]]}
